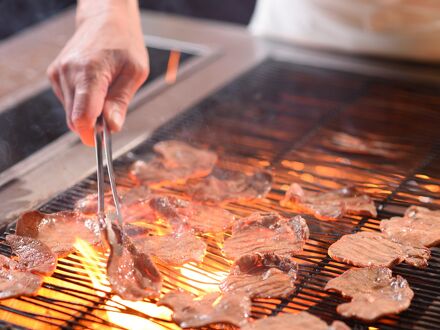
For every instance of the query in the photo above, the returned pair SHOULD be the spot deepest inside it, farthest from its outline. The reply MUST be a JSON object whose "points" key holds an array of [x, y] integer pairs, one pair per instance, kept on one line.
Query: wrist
{"points": [[92, 10]]}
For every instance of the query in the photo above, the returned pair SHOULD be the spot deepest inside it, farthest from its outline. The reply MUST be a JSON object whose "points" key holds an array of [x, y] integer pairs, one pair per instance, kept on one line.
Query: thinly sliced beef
{"points": [[14, 282], [192, 312], [347, 143], [374, 292], [32, 255], [131, 273], [201, 218], [175, 249], [229, 186], [302, 320], [330, 205], [134, 203], [419, 227], [267, 233], [365, 249], [262, 276], [59, 231], [176, 162]]}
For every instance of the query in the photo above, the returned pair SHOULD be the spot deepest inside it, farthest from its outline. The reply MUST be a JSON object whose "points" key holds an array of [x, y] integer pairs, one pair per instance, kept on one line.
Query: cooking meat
{"points": [[192, 312], [374, 292], [229, 186], [419, 227], [59, 230], [365, 249], [329, 205], [134, 203], [302, 320], [131, 273], [262, 276], [201, 218], [267, 233], [176, 162], [175, 249], [14, 282], [347, 143], [32, 255]]}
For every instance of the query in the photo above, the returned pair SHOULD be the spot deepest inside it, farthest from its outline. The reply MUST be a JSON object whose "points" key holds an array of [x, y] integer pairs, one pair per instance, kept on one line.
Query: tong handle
{"points": [[103, 137], [111, 172]]}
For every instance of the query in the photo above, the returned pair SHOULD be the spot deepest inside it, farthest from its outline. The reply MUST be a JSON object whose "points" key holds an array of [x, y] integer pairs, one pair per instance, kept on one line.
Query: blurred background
{"points": [[16, 15]]}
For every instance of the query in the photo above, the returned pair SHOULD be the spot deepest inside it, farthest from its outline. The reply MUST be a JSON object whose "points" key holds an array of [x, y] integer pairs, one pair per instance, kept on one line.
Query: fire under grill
{"points": [[279, 116]]}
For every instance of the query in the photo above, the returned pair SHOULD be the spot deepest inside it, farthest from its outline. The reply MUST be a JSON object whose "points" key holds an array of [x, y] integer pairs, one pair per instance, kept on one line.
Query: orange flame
{"points": [[95, 269], [173, 66]]}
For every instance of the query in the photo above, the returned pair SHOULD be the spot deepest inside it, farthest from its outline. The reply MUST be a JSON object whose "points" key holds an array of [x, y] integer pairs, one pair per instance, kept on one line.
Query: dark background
{"points": [[16, 15]]}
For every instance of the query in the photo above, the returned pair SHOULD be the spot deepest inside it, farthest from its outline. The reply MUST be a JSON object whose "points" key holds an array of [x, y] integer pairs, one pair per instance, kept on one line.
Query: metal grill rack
{"points": [[279, 115]]}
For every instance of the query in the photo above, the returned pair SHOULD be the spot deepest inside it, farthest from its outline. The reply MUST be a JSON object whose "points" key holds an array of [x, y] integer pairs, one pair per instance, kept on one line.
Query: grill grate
{"points": [[278, 115]]}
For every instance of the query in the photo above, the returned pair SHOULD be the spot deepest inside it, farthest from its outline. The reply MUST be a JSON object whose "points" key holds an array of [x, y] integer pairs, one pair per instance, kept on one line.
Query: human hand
{"points": [[101, 67]]}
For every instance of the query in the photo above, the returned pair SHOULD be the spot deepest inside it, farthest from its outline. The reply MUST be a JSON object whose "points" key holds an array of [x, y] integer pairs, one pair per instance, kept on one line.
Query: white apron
{"points": [[396, 28]]}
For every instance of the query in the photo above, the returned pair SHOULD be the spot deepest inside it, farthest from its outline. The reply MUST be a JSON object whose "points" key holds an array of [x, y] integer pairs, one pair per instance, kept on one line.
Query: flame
{"points": [[201, 279], [173, 66], [95, 269]]}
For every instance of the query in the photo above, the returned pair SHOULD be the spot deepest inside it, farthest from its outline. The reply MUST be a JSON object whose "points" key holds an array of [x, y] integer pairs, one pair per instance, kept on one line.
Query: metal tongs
{"points": [[103, 137]]}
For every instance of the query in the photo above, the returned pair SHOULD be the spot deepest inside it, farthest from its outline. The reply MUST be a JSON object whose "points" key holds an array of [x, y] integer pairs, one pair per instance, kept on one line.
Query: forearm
{"points": [[103, 8]]}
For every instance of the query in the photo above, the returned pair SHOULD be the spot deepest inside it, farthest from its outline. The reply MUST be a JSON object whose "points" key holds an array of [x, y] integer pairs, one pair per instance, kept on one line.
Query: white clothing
{"points": [[397, 28]]}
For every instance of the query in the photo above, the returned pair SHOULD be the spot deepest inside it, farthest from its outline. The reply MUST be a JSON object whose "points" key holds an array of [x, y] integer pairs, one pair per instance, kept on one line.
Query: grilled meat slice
{"points": [[419, 227], [176, 162], [302, 320], [131, 273], [330, 205], [374, 292], [32, 255], [365, 249], [262, 276], [14, 282], [267, 233], [229, 186], [175, 249], [183, 214], [192, 312], [59, 230]]}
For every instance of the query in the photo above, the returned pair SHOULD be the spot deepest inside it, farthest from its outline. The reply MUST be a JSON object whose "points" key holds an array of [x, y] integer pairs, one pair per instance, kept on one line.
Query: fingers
{"points": [[88, 103], [120, 94]]}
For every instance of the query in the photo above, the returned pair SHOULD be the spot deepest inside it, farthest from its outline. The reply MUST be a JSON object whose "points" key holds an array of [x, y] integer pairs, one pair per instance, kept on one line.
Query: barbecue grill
{"points": [[258, 104]]}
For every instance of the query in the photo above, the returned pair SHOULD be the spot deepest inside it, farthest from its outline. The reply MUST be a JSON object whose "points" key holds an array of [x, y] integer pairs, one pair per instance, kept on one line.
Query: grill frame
{"points": [[190, 126]]}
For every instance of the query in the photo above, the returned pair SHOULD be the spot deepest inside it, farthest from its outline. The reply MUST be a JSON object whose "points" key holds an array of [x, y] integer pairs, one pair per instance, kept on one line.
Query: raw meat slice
{"points": [[267, 233], [302, 320], [262, 276], [175, 249], [176, 162], [132, 274], [374, 292], [365, 249], [419, 227], [229, 186], [134, 203], [330, 205], [192, 312], [342, 142], [32, 255], [59, 231], [201, 218], [14, 282]]}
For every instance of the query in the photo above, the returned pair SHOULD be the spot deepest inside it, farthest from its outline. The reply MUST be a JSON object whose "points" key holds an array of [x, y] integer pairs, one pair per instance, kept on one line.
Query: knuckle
{"points": [[64, 66]]}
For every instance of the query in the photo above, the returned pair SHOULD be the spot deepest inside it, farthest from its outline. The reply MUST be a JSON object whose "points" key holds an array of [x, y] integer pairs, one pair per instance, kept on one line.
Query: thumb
{"points": [[116, 103]]}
